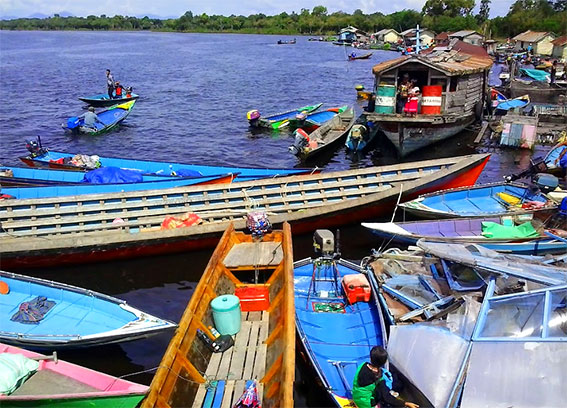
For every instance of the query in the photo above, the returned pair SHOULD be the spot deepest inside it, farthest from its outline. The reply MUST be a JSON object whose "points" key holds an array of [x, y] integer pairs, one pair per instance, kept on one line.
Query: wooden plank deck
{"points": [[244, 361], [254, 253]]}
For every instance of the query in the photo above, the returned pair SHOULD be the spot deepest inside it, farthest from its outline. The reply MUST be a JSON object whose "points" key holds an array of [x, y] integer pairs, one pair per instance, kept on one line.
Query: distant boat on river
{"points": [[102, 100]]}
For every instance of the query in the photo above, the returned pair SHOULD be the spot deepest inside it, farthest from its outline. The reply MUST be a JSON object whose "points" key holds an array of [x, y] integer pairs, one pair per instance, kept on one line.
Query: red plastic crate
{"points": [[253, 298], [356, 288]]}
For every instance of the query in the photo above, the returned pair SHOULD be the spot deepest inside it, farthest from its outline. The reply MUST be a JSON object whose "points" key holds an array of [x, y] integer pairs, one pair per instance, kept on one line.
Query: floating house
{"points": [[468, 36], [560, 48], [387, 35], [452, 83], [351, 34], [538, 42], [426, 36]]}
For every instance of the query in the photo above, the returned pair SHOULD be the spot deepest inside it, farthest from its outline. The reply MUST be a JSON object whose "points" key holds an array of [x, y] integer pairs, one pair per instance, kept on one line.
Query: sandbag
{"points": [[14, 370], [106, 175]]}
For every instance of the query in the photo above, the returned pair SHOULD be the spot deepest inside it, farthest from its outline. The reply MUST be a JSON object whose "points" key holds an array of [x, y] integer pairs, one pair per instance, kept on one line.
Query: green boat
{"points": [[45, 381], [278, 120]]}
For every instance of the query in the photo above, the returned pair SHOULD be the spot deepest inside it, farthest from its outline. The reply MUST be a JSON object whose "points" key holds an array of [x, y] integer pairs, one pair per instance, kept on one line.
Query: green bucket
{"points": [[226, 314], [385, 99]]}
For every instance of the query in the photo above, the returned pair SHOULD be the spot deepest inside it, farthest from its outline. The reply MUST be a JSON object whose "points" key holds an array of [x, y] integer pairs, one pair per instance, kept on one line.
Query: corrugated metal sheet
{"points": [[531, 36], [460, 60], [560, 41], [463, 33]]}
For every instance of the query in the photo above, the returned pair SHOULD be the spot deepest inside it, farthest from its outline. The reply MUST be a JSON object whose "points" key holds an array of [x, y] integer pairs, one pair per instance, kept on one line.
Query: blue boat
{"points": [[36, 177], [86, 188], [337, 336], [552, 158], [108, 119], [467, 230], [37, 313], [41, 157], [515, 103], [312, 121], [360, 136], [484, 200], [102, 100], [278, 120]]}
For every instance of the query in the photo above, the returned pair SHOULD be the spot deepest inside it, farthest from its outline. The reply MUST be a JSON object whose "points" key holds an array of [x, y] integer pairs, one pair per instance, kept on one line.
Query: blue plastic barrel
{"points": [[226, 314], [385, 99]]}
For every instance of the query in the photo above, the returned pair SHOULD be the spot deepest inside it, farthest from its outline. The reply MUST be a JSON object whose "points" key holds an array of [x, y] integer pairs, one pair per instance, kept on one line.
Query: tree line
{"points": [[437, 15]]}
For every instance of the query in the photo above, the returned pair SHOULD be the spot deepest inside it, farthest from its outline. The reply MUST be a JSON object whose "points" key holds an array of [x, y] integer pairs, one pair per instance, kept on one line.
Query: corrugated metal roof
{"points": [[463, 33], [385, 31], [531, 36], [460, 59], [560, 41]]}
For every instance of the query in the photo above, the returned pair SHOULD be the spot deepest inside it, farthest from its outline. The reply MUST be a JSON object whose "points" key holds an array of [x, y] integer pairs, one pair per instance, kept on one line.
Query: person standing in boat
{"points": [[373, 384], [110, 84]]}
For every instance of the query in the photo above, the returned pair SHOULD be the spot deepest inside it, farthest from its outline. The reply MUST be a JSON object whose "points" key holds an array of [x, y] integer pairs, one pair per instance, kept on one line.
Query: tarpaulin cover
{"points": [[536, 74], [188, 173], [106, 175], [497, 231]]}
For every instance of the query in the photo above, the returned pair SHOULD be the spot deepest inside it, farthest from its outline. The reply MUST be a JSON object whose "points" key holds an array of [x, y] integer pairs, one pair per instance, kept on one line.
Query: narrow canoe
{"points": [[62, 160], [80, 229], [278, 120], [312, 121], [336, 335], [77, 318], [325, 137], [102, 100], [110, 119], [484, 200], [465, 230], [264, 347], [59, 384], [39, 177], [87, 188], [357, 57], [515, 103]]}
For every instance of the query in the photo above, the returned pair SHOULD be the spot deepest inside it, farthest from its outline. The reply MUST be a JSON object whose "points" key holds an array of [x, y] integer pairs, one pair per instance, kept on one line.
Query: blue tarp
{"points": [[536, 74], [105, 175], [494, 75], [188, 173]]}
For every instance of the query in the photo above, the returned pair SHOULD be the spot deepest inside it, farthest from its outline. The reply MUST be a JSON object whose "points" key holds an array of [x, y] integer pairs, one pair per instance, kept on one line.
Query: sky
{"points": [[176, 8]]}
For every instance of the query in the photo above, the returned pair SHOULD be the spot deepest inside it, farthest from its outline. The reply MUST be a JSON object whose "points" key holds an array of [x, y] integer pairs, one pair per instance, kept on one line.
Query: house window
{"points": [[453, 84]]}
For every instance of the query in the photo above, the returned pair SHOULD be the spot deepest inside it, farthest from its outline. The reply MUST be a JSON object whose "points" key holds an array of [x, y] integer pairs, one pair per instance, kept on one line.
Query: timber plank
{"points": [[239, 353], [239, 387], [252, 349], [200, 396], [255, 316], [254, 253], [228, 394], [213, 365], [222, 372]]}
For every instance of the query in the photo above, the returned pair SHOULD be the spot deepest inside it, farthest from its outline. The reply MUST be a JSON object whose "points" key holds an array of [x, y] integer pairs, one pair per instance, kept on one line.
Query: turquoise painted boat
{"points": [[336, 335], [41, 157], [278, 120], [109, 119], [102, 100], [42, 314], [59, 384], [484, 200]]}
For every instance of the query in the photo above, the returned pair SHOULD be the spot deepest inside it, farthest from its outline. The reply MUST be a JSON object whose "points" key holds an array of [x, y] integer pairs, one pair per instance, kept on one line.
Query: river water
{"points": [[195, 91]]}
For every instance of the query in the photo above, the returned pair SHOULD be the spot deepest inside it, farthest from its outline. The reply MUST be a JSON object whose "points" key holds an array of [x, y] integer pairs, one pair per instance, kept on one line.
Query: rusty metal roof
{"points": [[560, 41], [459, 59], [531, 36]]}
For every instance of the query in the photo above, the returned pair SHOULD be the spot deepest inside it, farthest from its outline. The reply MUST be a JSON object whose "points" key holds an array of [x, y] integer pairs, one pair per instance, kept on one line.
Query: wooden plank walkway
{"points": [[244, 361], [254, 253]]}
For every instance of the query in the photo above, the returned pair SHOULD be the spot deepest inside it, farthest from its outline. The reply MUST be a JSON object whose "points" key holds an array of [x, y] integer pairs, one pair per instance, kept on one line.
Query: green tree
{"points": [[483, 12], [451, 8]]}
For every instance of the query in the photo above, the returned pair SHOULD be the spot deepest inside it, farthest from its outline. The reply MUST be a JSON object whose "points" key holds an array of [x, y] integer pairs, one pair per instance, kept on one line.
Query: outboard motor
{"points": [[357, 134], [73, 122], [35, 148], [546, 182], [253, 116], [300, 143], [324, 242]]}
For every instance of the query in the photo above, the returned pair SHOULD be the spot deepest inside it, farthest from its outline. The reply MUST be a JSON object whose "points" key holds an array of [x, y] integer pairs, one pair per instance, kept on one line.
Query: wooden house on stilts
{"points": [[452, 82]]}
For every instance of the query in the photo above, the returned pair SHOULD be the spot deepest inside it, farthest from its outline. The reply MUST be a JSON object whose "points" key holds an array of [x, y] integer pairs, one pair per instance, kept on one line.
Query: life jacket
{"points": [[362, 396], [118, 91]]}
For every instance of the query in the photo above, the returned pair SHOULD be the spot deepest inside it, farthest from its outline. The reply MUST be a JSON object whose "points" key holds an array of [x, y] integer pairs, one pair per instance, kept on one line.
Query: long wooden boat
{"points": [[264, 347], [80, 229], [102, 100], [466, 230], [59, 384], [323, 138], [63, 160], [353, 57], [336, 335], [481, 200], [87, 188], [109, 119], [278, 120], [44, 314], [552, 158], [446, 109], [538, 91], [311, 121], [38, 177]]}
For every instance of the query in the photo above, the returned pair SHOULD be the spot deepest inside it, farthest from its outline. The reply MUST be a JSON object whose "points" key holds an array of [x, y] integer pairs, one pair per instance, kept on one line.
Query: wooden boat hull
{"points": [[409, 135], [65, 385], [538, 94], [341, 208], [50, 160], [359, 57], [464, 230], [86, 188], [484, 200], [101, 100], [264, 348], [103, 319], [360, 327]]}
